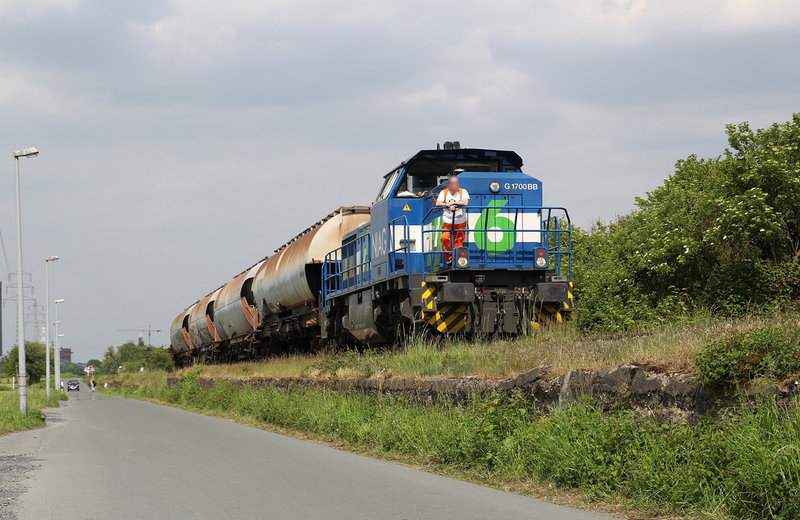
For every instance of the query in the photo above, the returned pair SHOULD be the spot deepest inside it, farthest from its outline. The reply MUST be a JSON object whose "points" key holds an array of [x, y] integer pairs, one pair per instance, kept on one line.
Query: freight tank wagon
{"points": [[368, 275]]}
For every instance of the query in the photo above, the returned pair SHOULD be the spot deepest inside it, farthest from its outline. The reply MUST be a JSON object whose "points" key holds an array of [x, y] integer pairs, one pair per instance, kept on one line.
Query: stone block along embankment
{"points": [[644, 388]]}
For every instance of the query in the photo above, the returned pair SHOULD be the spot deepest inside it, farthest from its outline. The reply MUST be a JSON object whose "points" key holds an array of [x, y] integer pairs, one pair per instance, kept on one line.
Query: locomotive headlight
{"points": [[462, 257], [541, 257], [494, 186]]}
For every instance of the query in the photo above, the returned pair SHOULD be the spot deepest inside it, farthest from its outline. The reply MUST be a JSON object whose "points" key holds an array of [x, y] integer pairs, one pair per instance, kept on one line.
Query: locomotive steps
{"points": [[647, 389]]}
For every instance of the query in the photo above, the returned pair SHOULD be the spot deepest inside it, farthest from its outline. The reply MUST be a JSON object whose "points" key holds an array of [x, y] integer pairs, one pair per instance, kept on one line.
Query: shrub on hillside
{"points": [[772, 351], [720, 235]]}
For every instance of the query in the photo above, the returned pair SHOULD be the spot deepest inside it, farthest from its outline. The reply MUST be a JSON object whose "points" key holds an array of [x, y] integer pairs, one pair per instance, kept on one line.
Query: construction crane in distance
{"points": [[149, 330]]}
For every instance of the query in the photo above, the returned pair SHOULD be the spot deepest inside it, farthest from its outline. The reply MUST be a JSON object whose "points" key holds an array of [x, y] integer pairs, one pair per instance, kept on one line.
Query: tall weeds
{"points": [[11, 420], [742, 466]]}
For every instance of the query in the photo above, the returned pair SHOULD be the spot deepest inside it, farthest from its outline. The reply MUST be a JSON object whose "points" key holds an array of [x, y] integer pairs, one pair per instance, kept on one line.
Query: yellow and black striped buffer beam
{"points": [[428, 298], [449, 318], [554, 314], [547, 318], [570, 303]]}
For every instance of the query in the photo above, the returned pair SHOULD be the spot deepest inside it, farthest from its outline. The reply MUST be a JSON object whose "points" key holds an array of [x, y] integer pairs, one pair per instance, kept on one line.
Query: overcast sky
{"points": [[183, 140]]}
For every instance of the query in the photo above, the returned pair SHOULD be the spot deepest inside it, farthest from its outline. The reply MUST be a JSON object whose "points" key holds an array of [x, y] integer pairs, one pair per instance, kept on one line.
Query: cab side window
{"points": [[423, 176], [387, 185]]}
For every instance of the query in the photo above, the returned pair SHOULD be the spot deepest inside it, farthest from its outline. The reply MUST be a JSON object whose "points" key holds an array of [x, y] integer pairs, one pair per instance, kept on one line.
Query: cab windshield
{"points": [[423, 175]]}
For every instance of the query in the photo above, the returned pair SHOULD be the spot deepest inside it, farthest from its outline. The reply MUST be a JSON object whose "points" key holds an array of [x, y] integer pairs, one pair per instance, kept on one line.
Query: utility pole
{"points": [[23, 374], [47, 322], [29, 298], [57, 351]]}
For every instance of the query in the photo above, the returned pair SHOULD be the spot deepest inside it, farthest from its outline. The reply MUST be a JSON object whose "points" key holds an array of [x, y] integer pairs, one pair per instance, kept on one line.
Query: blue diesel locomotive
{"points": [[512, 274], [389, 274]]}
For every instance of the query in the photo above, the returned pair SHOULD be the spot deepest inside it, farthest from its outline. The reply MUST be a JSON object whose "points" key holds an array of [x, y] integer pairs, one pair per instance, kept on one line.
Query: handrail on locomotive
{"points": [[556, 240]]}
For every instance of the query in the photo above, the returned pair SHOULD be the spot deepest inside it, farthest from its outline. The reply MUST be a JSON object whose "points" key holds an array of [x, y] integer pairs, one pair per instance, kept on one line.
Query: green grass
{"points": [[674, 346], [743, 466], [11, 420]]}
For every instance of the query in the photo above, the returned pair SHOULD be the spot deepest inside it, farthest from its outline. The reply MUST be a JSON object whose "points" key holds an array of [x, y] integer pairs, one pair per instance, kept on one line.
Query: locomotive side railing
{"points": [[346, 267], [349, 267]]}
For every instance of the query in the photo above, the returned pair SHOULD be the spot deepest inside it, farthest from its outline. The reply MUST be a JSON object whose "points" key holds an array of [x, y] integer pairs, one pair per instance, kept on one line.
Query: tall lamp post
{"points": [[57, 350], [23, 371], [47, 319]]}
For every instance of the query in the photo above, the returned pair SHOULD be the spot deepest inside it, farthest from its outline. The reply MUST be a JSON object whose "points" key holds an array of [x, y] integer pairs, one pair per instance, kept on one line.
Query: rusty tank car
{"points": [[270, 303]]}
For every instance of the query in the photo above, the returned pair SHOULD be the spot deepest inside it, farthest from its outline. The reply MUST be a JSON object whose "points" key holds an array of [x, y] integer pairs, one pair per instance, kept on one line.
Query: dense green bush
{"points": [[770, 351], [720, 236], [745, 466]]}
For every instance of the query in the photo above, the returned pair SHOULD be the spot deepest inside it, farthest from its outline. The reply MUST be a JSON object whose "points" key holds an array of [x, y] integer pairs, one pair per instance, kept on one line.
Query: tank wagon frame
{"points": [[368, 275]]}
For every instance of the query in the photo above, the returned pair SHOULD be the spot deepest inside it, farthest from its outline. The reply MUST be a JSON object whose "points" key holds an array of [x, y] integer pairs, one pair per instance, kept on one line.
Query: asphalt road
{"points": [[112, 458]]}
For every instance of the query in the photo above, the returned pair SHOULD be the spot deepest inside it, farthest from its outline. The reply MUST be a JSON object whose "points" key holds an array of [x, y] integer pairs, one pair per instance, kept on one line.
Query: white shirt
{"points": [[446, 197]]}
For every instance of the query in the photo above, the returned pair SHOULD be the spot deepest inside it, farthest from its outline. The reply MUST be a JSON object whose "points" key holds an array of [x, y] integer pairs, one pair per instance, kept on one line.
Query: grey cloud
{"points": [[168, 166]]}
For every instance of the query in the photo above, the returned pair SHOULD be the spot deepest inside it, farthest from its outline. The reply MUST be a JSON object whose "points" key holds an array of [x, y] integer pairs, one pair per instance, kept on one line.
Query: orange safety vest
{"points": [[453, 213]]}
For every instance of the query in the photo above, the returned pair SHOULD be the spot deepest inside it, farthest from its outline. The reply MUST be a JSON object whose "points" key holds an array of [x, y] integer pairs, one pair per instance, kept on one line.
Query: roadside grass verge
{"points": [[674, 346], [11, 420], [740, 466]]}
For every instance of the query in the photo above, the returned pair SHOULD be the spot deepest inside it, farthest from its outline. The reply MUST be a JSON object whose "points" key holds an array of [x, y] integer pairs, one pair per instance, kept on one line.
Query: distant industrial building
{"points": [[66, 355]]}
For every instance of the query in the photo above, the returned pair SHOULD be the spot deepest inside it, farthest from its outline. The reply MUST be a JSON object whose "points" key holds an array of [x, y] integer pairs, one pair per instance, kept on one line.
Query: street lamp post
{"points": [[58, 342], [47, 319], [23, 373], [57, 350]]}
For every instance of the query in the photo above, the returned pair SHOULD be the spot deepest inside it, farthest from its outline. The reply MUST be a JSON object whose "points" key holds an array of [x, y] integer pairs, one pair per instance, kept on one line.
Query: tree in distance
{"points": [[34, 362], [133, 356]]}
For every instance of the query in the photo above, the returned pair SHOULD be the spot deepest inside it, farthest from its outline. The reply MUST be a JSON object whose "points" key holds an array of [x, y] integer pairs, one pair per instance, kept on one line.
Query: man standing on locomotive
{"points": [[453, 200]]}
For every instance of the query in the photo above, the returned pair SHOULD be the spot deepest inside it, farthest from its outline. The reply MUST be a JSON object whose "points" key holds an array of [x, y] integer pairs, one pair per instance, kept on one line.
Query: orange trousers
{"points": [[458, 238]]}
